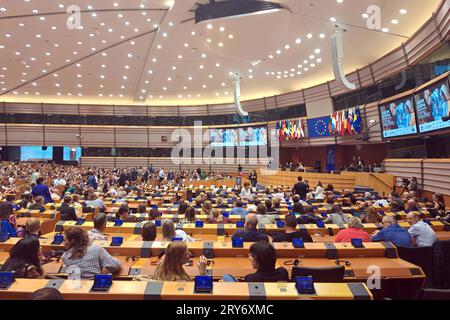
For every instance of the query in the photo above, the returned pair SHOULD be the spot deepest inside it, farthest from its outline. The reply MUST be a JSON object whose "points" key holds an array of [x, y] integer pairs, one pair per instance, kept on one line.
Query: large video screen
{"points": [[224, 137], [253, 136], [32, 153], [71, 153], [398, 118], [432, 104]]}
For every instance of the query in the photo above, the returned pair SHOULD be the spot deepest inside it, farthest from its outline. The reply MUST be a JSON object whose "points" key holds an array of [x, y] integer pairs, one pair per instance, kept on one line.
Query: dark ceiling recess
{"points": [[232, 8]]}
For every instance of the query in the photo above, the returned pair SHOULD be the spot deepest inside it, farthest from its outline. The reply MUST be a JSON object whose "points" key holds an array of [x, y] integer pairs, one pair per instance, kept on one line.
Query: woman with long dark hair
{"points": [[24, 259]]}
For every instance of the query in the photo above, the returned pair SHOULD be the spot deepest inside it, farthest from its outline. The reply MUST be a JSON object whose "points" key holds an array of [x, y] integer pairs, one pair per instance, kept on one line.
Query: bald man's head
{"points": [[251, 221], [411, 204], [412, 217]]}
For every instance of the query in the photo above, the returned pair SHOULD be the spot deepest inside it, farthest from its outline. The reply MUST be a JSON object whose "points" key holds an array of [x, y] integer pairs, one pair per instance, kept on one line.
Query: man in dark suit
{"points": [[251, 234], [300, 188], [67, 212]]}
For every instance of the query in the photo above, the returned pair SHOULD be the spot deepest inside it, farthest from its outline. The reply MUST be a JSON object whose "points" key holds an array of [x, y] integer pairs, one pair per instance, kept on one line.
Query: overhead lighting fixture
{"points": [[403, 11], [230, 8]]}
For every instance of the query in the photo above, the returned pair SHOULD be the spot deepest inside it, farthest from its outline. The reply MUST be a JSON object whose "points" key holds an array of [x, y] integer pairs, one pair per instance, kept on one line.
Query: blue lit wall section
{"points": [[71, 153], [32, 153]]}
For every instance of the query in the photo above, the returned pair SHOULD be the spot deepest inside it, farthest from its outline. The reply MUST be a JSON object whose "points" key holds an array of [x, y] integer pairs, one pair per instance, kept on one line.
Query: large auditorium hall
{"points": [[225, 158]]}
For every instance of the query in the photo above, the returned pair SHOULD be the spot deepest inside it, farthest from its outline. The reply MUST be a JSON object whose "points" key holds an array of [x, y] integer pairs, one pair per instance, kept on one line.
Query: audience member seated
{"points": [[329, 188], [148, 231], [99, 227], [329, 202], [220, 204], [336, 216], [422, 234], [207, 208], [5, 225], [393, 232], [394, 207], [371, 215], [262, 216], [411, 205], [171, 267], [24, 259], [123, 214], [94, 202], [189, 215], [291, 232], [47, 294], [263, 257], [42, 190], [89, 257], [238, 210], [439, 203], [217, 217], [268, 204], [246, 192], [153, 214], [308, 216], [169, 232], [250, 233], [354, 231], [182, 207], [67, 212], [142, 208], [33, 228], [395, 197], [38, 204]]}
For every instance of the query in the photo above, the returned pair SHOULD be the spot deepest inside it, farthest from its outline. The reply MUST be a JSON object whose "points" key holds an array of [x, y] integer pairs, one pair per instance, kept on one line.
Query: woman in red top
{"points": [[354, 231]]}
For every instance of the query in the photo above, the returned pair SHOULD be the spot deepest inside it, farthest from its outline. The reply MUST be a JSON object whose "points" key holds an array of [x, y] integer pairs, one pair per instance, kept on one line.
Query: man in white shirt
{"points": [[421, 233], [59, 181]]}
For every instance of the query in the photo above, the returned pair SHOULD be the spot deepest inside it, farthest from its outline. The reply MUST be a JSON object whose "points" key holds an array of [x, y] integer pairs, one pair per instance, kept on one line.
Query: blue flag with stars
{"points": [[319, 127]]}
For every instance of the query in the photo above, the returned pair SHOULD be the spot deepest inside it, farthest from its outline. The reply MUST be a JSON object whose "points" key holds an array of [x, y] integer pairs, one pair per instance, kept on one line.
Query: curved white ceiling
{"points": [[172, 61]]}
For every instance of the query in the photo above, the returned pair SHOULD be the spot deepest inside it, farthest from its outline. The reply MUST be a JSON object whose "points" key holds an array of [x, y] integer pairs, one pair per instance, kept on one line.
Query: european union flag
{"points": [[318, 127]]}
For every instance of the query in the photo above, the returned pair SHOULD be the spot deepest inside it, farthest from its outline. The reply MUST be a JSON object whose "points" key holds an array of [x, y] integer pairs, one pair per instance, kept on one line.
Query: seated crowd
{"points": [[83, 251]]}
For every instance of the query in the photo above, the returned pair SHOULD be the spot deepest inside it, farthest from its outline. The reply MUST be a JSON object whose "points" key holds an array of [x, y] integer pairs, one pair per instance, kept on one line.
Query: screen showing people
{"points": [[398, 118], [432, 104], [248, 136], [253, 136]]}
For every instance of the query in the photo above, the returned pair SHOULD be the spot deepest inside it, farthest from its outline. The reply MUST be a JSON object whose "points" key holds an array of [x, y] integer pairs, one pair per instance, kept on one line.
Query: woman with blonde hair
{"points": [[171, 268], [207, 208], [169, 232]]}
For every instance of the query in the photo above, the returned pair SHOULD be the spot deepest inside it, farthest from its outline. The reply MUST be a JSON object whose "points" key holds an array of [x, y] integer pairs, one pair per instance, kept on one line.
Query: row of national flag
{"points": [[290, 129], [340, 123]]}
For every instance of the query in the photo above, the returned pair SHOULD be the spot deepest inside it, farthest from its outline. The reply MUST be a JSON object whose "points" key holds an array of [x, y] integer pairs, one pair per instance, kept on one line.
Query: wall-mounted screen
{"points": [[71, 153], [224, 137], [432, 104], [253, 136], [398, 118], [33, 153]]}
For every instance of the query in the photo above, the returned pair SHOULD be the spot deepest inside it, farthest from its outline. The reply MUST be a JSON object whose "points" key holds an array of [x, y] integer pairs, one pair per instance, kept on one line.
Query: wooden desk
{"points": [[136, 290], [47, 225]]}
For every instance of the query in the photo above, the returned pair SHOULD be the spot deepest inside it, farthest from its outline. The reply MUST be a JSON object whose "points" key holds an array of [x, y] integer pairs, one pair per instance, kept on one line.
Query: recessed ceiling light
{"points": [[333, 19], [174, 68], [210, 76], [394, 21], [186, 45], [164, 34], [340, 1], [208, 40], [189, 78], [298, 41], [287, 47], [154, 60], [217, 65], [270, 56], [204, 86], [309, 35], [250, 76], [203, 55], [150, 71], [403, 11], [209, 26], [322, 36], [385, 30], [317, 51], [278, 52], [220, 44], [230, 36], [201, 66], [222, 29], [365, 15], [193, 33], [180, 56]]}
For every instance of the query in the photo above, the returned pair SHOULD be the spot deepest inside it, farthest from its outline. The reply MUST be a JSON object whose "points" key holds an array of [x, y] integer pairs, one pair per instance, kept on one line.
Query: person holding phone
{"points": [[171, 267]]}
